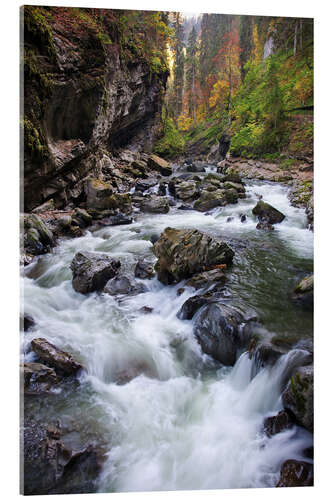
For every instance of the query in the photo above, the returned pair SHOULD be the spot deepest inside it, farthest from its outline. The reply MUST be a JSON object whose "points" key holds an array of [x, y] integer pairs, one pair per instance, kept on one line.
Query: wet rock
{"points": [[195, 168], [210, 199], [207, 279], [182, 253], [186, 190], [124, 284], [271, 214], [230, 219], [242, 217], [310, 212], [277, 423], [38, 378], [233, 176], [303, 293], [60, 360], [193, 304], [116, 220], [264, 224], [28, 322], [144, 269], [297, 398], [180, 291], [38, 238], [185, 207], [92, 270], [157, 163], [51, 467], [144, 184], [295, 473], [146, 310], [234, 185], [217, 329], [155, 205]]}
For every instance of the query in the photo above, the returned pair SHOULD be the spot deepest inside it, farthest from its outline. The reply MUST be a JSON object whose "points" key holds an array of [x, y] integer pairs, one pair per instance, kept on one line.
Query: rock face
{"points": [[144, 269], [112, 100], [303, 293], [51, 467], [60, 360], [271, 214], [38, 378], [92, 270], [297, 399], [182, 253], [217, 328], [295, 473], [124, 285]]}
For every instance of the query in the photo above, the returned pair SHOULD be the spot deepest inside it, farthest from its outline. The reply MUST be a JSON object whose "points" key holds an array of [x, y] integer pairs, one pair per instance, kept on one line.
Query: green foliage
{"points": [[172, 143]]}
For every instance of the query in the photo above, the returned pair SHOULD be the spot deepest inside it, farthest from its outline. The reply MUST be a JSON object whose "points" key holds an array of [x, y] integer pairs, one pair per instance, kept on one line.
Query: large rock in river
{"points": [[155, 204], [157, 163], [303, 293], [265, 210], [92, 270], [38, 378], [182, 253], [295, 473], [55, 357], [124, 284], [297, 399], [217, 328]]}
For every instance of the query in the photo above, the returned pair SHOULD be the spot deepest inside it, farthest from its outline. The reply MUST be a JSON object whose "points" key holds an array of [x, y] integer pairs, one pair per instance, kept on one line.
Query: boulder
{"points": [[217, 329], [234, 185], [116, 220], [186, 190], [98, 194], [210, 199], [207, 278], [193, 304], [92, 270], [38, 238], [155, 204], [38, 378], [232, 176], [144, 184], [182, 253], [310, 212], [82, 217], [51, 467], [277, 423], [160, 165], [60, 360], [303, 293], [297, 398], [195, 167], [265, 210], [124, 284], [144, 269], [295, 473]]}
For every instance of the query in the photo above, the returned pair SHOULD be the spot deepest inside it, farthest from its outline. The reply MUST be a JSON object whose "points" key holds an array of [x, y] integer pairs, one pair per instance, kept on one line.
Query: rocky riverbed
{"points": [[168, 319]]}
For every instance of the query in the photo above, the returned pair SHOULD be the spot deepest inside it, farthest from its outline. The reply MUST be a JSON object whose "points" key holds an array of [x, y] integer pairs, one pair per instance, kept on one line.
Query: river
{"points": [[167, 415]]}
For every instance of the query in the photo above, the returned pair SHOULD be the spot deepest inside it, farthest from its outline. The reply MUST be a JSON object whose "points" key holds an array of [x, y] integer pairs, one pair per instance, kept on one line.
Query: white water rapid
{"points": [[168, 415]]}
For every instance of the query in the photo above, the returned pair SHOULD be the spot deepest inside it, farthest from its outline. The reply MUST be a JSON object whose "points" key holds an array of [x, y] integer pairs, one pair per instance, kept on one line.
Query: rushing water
{"points": [[167, 415]]}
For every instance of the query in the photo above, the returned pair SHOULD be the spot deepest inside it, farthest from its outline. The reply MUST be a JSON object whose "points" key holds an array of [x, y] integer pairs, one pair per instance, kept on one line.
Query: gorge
{"points": [[167, 257]]}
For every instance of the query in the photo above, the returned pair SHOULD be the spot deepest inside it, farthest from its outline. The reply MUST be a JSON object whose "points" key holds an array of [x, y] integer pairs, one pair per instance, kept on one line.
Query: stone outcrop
{"points": [[112, 101], [182, 253], [92, 270], [124, 284], [51, 355]]}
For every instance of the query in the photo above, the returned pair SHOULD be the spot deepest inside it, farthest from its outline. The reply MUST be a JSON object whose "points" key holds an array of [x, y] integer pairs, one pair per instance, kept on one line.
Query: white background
{"points": [[9, 243]]}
